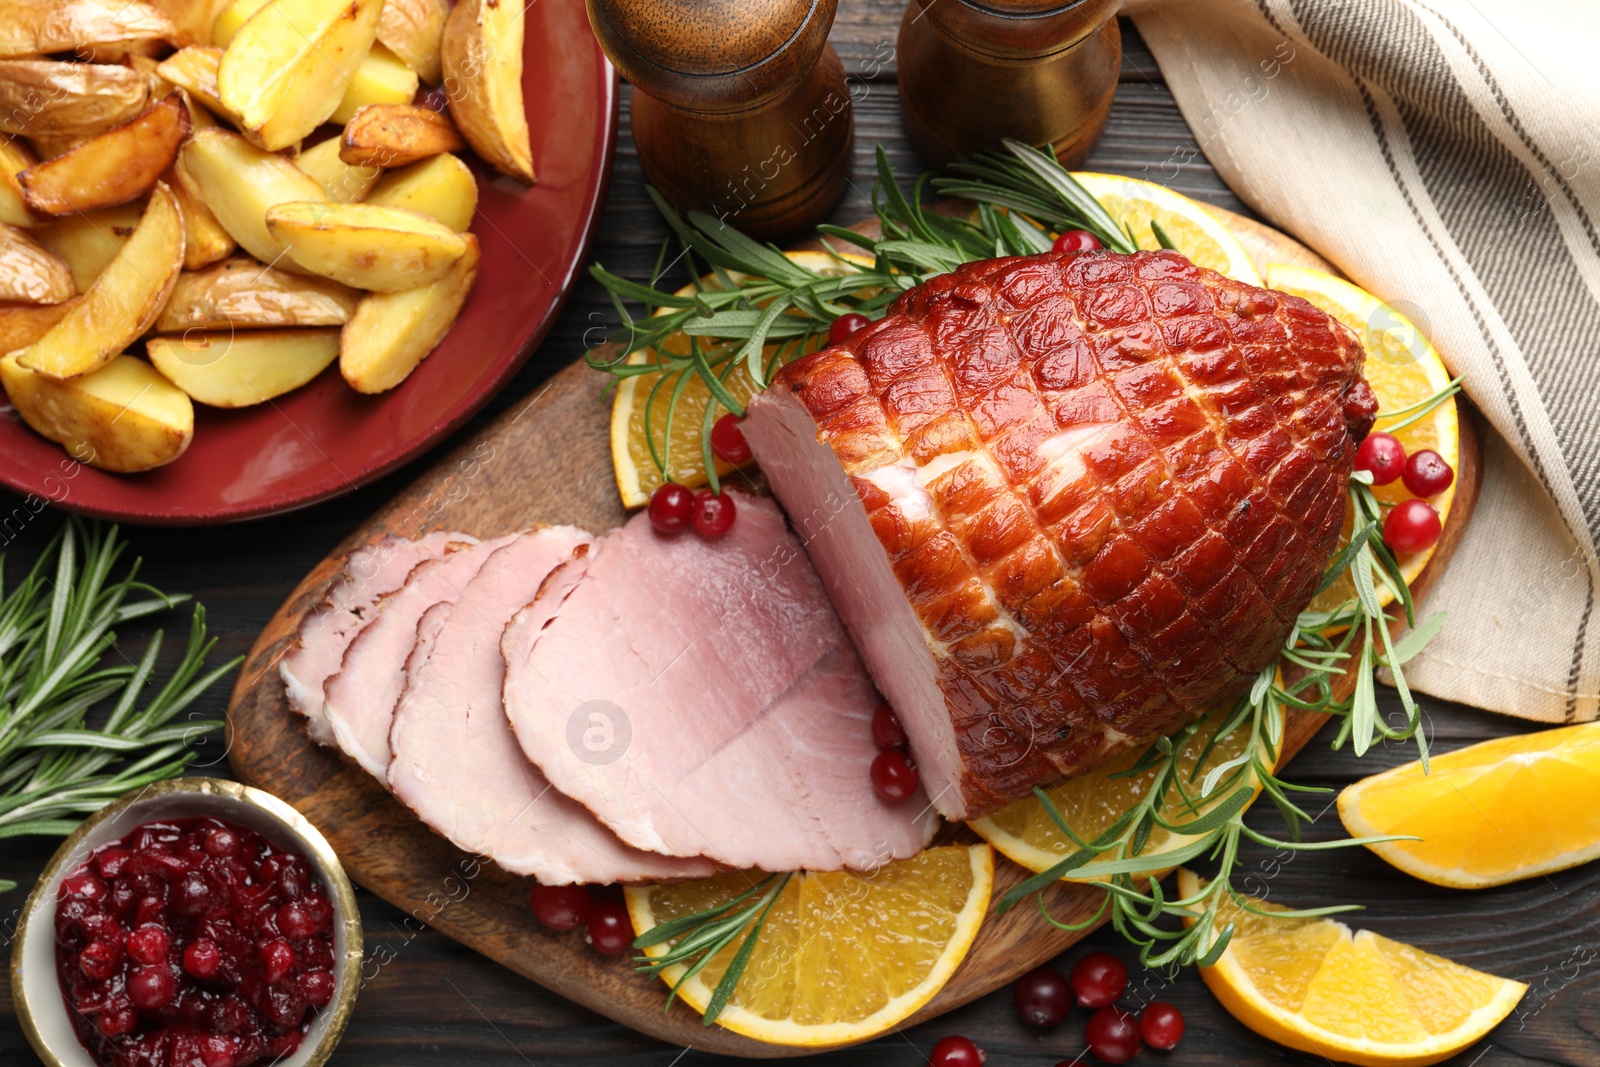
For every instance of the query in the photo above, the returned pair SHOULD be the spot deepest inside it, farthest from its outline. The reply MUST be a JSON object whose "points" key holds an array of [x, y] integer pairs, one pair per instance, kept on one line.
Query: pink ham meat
{"points": [[701, 698], [359, 700], [455, 762], [370, 574]]}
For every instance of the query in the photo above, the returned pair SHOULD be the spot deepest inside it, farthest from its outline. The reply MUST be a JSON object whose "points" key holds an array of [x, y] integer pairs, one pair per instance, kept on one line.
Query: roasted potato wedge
{"points": [[191, 19], [124, 417], [482, 55], [396, 135], [382, 78], [89, 242], [382, 249], [194, 70], [391, 333], [411, 29], [231, 18], [120, 165], [39, 27], [204, 240], [242, 294], [239, 182], [15, 157], [236, 370], [23, 324], [29, 272], [43, 98], [122, 302], [287, 68], [342, 182], [441, 188]]}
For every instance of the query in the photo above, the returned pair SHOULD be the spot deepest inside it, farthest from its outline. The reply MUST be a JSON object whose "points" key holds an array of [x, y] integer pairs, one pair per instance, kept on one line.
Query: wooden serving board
{"points": [[549, 461]]}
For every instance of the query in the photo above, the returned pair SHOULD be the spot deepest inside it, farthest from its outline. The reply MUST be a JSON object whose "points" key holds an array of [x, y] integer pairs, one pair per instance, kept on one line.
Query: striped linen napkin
{"points": [[1445, 155]]}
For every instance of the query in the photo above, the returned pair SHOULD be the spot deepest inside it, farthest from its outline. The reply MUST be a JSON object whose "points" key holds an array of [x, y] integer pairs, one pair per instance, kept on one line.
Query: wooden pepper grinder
{"points": [[740, 107], [1041, 71]]}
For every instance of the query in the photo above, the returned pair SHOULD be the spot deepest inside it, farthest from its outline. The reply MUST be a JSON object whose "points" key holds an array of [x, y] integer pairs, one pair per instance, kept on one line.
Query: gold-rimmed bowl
{"points": [[34, 988]]}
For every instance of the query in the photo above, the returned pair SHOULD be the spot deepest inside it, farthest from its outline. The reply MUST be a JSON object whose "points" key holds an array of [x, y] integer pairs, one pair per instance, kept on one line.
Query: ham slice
{"points": [[359, 700], [455, 762], [701, 698], [370, 574]]}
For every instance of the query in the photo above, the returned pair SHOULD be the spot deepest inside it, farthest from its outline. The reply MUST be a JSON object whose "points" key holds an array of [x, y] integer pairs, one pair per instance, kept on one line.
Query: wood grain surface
{"points": [[430, 1001]]}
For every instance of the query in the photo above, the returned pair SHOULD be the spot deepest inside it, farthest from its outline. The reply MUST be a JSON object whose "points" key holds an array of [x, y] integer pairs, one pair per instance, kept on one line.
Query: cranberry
{"points": [[118, 1018], [222, 842], [319, 910], [277, 960], [286, 1007], [894, 776], [149, 944], [109, 861], [1161, 1025], [713, 513], [559, 907], [727, 440], [202, 958], [83, 886], [610, 929], [886, 729], [317, 987], [671, 506], [1043, 997], [293, 880], [99, 959], [193, 896], [1383, 455], [1113, 1035], [1098, 979], [840, 330], [228, 1015], [1076, 241], [102, 928], [1411, 526], [151, 987], [295, 922], [217, 1051], [956, 1051], [1427, 473]]}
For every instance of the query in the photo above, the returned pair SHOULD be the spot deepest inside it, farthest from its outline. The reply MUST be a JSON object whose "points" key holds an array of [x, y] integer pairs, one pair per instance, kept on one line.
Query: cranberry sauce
{"points": [[193, 943]]}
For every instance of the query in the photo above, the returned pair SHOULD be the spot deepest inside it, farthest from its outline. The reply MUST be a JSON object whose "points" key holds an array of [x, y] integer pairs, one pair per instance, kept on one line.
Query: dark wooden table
{"points": [[440, 1004]]}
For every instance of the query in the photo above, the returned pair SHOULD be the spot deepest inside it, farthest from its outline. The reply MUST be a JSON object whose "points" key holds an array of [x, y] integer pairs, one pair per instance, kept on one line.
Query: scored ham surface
{"points": [[454, 761], [369, 574], [701, 698], [1066, 502]]}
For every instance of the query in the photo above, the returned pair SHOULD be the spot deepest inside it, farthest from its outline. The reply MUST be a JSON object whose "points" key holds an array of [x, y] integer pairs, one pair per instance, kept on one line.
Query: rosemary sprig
{"points": [[55, 632]]}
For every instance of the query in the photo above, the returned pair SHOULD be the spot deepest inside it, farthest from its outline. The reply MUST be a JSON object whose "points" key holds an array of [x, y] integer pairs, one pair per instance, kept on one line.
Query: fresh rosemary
{"points": [[55, 632]]}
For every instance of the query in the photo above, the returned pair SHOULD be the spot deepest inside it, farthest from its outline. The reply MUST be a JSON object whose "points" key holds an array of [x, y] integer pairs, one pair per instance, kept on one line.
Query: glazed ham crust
{"points": [[1106, 484]]}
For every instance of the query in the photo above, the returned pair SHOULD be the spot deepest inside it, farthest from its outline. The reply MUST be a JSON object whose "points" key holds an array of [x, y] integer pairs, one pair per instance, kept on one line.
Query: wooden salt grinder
{"points": [[740, 107], [1041, 71]]}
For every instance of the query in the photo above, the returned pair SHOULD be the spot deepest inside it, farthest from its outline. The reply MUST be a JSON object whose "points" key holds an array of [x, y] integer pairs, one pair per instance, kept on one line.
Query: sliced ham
{"points": [[455, 762], [370, 574], [702, 698], [359, 700]]}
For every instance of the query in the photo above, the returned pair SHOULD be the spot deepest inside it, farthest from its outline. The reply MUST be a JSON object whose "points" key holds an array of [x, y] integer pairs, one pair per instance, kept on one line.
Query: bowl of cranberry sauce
{"points": [[193, 923]]}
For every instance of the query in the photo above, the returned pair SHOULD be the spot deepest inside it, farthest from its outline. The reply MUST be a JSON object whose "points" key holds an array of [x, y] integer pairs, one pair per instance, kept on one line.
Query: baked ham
{"points": [[700, 697], [1066, 502]]}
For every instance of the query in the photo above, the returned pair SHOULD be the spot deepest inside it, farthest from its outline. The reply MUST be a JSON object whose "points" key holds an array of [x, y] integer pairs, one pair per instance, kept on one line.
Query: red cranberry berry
{"points": [[109, 861], [610, 929], [1161, 1025], [1427, 473], [713, 513], [956, 1051], [894, 776], [84, 886], [1113, 1035], [202, 958], [886, 729], [1076, 241], [1411, 526], [151, 987], [842, 327], [221, 842], [559, 907], [1098, 979], [295, 922], [317, 987], [192, 896], [1043, 997], [1383, 455], [727, 440], [228, 1015], [98, 960], [277, 960], [217, 1051], [117, 1018], [149, 944], [671, 506]]}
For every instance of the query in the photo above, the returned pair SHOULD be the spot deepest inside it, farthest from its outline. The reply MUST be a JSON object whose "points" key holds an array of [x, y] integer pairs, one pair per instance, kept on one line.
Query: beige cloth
{"points": [[1445, 154]]}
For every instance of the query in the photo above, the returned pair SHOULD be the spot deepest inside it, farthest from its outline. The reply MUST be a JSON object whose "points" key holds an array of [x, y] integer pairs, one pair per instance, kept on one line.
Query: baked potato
{"points": [[240, 293], [191, 19], [15, 157], [123, 301], [441, 188], [339, 180], [23, 324], [89, 242], [237, 370], [45, 98], [194, 70], [411, 29], [120, 165], [391, 333], [231, 18], [204, 240], [481, 52], [239, 182], [382, 78], [124, 417], [396, 135], [29, 272], [381, 249], [40, 27]]}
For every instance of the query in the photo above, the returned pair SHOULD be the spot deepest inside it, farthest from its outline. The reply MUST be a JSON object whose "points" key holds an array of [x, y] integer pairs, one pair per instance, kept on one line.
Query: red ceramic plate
{"points": [[326, 439]]}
